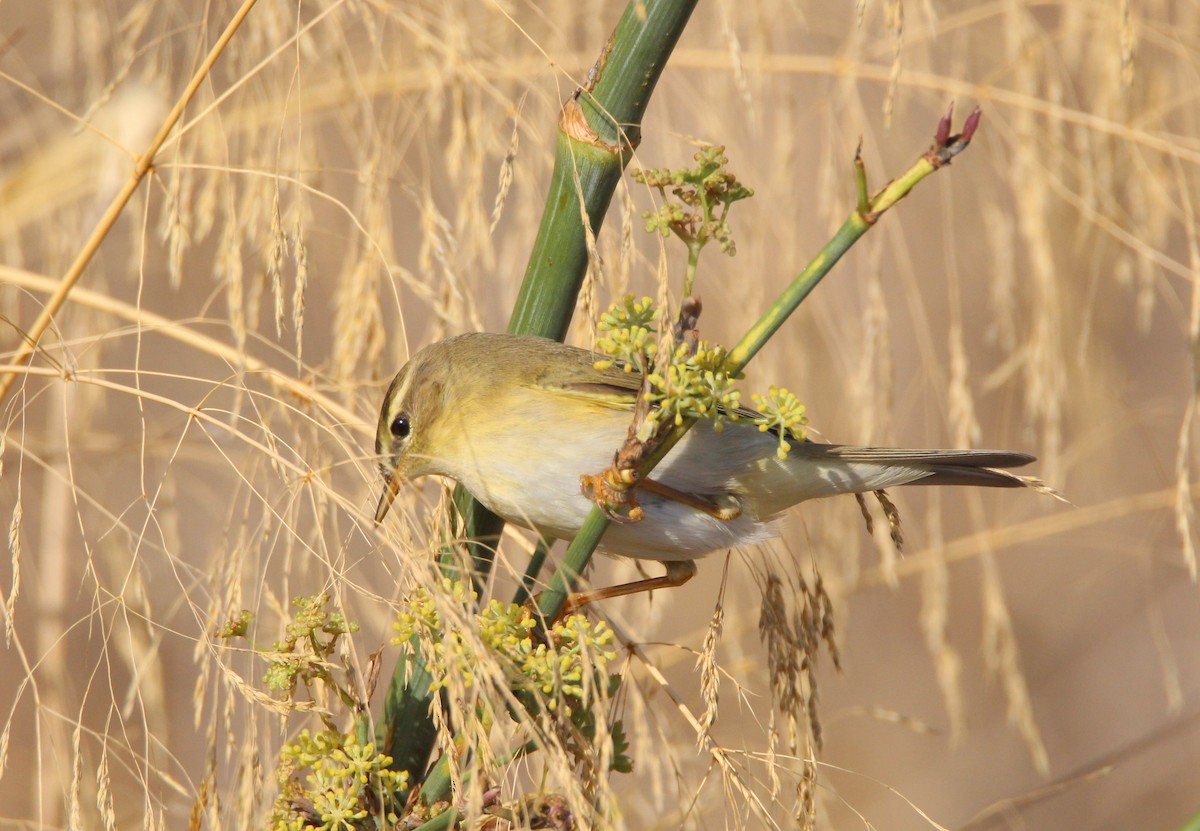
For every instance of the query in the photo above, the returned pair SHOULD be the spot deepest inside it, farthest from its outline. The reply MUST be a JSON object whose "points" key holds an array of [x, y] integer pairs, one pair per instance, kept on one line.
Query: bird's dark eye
{"points": [[401, 426]]}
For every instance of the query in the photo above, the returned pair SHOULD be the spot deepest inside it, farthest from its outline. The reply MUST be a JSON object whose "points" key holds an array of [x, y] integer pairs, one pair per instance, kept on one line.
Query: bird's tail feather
{"points": [[978, 468]]}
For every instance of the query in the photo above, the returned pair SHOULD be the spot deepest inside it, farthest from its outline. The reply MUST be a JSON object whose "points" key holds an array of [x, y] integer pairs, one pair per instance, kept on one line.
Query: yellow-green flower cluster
{"points": [[708, 188], [311, 618], [670, 217], [342, 779], [505, 630], [237, 626], [422, 621], [695, 385], [783, 413], [504, 626], [632, 339], [284, 668], [310, 639], [421, 615], [691, 384], [563, 665]]}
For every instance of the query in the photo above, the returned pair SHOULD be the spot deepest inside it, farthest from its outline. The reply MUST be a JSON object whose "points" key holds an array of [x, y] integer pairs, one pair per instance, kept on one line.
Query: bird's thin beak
{"points": [[389, 493]]}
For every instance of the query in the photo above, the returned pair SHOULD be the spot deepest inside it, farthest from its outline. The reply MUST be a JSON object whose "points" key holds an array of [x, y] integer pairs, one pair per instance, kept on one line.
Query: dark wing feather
{"points": [[946, 467], [890, 455]]}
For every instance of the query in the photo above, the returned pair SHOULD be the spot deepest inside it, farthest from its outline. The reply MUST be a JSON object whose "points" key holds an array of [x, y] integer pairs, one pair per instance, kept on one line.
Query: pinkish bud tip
{"points": [[943, 128], [972, 124]]}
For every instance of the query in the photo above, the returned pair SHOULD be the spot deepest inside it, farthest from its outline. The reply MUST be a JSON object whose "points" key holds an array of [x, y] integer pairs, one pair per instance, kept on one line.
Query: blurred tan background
{"points": [[356, 179]]}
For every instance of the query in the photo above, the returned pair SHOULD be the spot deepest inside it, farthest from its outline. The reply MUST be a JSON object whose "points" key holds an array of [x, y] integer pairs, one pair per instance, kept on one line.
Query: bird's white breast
{"points": [[538, 485], [527, 462]]}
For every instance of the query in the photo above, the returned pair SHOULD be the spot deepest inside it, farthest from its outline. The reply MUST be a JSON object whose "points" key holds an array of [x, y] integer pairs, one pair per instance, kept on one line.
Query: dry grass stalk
{"points": [[710, 678], [14, 588], [793, 639], [1003, 659], [935, 624], [141, 168], [506, 172], [1184, 503], [806, 798], [250, 472], [895, 24], [891, 546]]}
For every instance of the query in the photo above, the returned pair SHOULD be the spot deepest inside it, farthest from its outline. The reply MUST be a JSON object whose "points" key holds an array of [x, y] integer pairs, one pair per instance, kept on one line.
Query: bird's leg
{"points": [[724, 508], [678, 573]]}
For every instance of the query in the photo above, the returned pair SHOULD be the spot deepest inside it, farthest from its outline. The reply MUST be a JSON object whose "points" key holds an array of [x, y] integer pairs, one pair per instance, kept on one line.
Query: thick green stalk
{"points": [[861, 220], [1192, 824], [598, 130], [481, 529], [532, 570], [441, 822], [590, 156], [408, 731]]}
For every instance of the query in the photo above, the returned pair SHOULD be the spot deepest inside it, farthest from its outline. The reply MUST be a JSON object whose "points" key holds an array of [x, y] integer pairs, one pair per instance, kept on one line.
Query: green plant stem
{"points": [[525, 590], [442, 821], [481, 529], [437, 784], [858, 223], [362, 727], [587, 169], [408, 730], [1192, 824], [579, 553], [860, 174], [689, 277]]}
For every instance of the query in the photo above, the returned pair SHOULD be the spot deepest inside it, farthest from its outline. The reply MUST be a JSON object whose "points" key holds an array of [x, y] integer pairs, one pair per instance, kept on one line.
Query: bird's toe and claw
{"points": [[724, 507], [678, 573]]}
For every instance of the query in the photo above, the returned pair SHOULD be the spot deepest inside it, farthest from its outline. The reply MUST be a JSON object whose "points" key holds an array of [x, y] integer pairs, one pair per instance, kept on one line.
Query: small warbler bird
{"points": [[518, 420]]}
